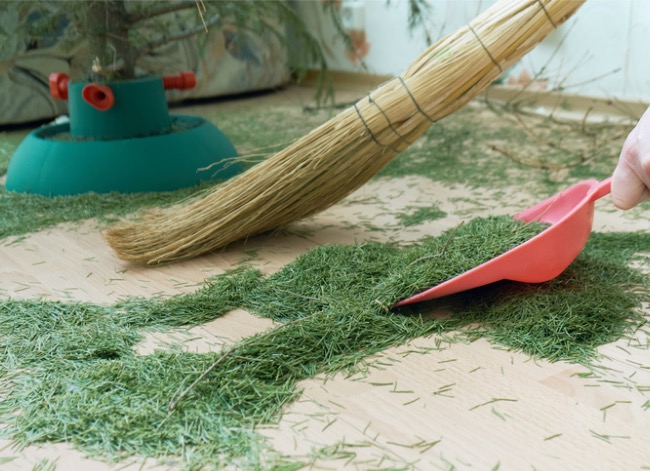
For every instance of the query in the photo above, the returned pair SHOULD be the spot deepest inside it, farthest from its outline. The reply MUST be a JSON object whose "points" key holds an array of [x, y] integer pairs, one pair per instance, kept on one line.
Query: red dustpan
{"points": [[570, 214]]}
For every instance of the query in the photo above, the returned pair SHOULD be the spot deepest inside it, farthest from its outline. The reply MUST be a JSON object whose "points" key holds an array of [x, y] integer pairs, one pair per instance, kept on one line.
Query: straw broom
{"points": [[338, 157]]}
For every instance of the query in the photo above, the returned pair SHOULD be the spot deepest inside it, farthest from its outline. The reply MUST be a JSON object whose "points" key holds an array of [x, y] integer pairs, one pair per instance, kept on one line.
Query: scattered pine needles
{"points": [[23, 213], [71, 370]]}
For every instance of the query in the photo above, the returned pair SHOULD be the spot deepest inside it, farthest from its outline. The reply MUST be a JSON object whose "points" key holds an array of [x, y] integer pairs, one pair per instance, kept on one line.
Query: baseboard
{"points": [[348, 81], [540, 101], [566, 104]]}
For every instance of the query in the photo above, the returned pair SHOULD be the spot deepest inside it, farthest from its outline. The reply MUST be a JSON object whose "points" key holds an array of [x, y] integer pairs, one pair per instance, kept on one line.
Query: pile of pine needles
{"points": [[70, 372]]}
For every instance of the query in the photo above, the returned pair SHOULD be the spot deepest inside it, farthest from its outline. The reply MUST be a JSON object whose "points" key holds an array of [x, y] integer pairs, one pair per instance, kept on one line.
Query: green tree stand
{"points": [[120, 138]]}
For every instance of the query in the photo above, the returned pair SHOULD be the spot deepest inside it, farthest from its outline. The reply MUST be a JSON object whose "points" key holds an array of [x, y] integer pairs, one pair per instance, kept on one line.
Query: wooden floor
{"points": [[465, 406]]}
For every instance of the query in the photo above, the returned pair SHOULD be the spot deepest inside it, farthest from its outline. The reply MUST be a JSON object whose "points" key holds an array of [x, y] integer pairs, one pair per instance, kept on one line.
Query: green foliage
{"points": [[23, 213], [419, 11], [420, 215], [71, 371], [487, 147], [120, 32]]}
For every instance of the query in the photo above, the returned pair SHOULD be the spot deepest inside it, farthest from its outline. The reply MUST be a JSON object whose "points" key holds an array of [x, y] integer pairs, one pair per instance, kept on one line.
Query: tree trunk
{"points": [[107, 30]]}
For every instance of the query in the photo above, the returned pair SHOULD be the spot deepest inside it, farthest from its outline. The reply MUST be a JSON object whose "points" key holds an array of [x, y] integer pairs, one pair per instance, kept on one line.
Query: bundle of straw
{"points": [[336, 158]]}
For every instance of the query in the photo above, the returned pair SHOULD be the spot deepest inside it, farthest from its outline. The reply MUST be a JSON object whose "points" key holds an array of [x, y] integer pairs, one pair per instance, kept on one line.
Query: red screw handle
{"points": [[183, 81], [98, 96], [59, 85]]}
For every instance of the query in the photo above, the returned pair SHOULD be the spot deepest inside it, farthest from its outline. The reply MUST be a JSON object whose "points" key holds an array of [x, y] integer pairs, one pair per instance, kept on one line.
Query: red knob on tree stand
{"points": [[98, 96], [59, 85], [183, 81]]}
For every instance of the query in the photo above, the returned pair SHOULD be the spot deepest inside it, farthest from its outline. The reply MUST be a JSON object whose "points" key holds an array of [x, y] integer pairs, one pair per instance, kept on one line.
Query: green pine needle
{"points": [[72, 371]]}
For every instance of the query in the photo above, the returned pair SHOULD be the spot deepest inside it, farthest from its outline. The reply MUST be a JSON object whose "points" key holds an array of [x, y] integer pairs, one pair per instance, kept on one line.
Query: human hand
{"points": [[631, 179]]}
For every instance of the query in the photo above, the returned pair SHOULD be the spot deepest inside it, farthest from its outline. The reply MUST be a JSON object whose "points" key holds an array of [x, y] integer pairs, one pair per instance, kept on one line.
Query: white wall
{"points": [[601, 51]]}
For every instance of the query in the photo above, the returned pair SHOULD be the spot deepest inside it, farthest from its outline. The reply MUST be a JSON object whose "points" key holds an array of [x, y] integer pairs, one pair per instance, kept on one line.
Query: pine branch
{"points": [[160, 10], [165, 39]]}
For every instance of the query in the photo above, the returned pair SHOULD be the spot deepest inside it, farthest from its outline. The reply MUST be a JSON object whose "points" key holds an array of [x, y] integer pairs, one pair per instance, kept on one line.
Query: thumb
{"points": [[628, 189]]}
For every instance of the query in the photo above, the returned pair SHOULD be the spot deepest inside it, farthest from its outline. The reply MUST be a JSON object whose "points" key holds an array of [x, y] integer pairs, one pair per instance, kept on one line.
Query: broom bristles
{"points": [[339, 156]]}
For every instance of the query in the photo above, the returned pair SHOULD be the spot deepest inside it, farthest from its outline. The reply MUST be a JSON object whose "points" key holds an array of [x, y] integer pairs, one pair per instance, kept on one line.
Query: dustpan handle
{"points": [[603, 188]]}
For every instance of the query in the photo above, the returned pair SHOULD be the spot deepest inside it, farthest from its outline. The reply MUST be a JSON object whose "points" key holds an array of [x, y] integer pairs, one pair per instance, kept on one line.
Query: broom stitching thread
{"points": [[390, 124], [548, 15], [485, 48], [372, 135], [417, 105]]}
